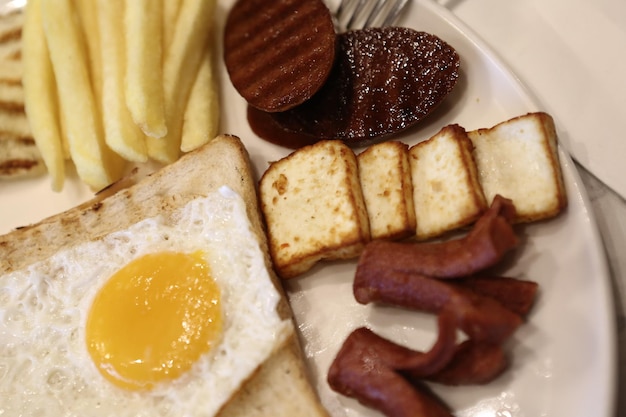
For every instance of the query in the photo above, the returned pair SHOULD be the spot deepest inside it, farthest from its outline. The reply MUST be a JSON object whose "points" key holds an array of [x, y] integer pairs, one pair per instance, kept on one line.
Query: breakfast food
{"points": [[56, 277], [384, 81], [448, 183], [313, 207], [446, 190], [190, 43], [140, 26], [10, 35], [385, 178], [278, 54], [100, 90], [518, 159], [19, 155], [488, 310]]}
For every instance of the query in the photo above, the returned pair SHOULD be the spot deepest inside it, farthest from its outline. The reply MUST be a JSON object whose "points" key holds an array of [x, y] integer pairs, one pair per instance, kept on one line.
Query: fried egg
{"points": [[165, 318]]}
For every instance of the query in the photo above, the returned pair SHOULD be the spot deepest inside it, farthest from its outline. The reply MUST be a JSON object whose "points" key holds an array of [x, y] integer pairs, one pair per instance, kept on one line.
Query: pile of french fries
{"points": [[112, 82]]}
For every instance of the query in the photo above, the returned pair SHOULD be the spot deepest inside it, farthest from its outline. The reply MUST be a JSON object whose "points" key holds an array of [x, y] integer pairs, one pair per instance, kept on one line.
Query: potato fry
{"points": [[201, 120], [171, 8], [120, 131], [179, 72], [144, 77], [96, 164], [88, 17], [40, 96]]}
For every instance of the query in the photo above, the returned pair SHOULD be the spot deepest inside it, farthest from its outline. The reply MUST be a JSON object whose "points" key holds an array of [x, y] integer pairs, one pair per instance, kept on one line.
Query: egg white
{"points": [[45, 369]]}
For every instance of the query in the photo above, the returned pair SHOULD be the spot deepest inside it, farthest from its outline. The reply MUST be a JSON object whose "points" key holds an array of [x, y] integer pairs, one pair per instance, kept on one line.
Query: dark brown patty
{"points": [[384, 81], [278, 53]]}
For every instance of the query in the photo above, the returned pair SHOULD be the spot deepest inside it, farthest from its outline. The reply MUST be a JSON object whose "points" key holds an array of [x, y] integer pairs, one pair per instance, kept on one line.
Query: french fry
{"points": [[40, 96], [88, 17], [96, 164], [171, 8], [144, 78], [120, 131], [179, 72], [201, 119]]}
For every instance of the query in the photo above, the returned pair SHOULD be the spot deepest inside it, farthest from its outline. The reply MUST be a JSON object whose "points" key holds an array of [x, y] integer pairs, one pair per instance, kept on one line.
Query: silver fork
{"points": [[358, 14]]}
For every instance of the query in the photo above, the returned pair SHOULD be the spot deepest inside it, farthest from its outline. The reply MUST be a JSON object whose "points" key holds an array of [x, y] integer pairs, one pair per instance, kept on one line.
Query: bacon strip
{"points": [[491, 237]]}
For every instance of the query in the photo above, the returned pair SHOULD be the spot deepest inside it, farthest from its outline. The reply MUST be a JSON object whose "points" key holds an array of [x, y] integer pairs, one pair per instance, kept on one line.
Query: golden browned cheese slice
{"points": [[278, 53]]}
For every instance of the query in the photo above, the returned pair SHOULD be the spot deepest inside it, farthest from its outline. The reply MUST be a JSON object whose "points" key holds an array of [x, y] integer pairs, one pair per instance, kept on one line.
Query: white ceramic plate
{"points": [[563, 358]]}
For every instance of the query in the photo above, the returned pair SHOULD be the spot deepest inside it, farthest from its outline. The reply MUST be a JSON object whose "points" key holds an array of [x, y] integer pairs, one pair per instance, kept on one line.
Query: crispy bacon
{"points": [[491, 237]]}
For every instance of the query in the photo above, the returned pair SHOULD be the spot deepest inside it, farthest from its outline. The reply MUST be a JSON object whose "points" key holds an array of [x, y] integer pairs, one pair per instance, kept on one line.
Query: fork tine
{"points": [[367, 13], [374, 13], [395, 12], [351, 10]]}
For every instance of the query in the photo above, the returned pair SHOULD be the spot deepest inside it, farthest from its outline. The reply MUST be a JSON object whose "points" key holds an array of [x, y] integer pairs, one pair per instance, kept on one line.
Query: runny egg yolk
{"points": [[153, 319]]}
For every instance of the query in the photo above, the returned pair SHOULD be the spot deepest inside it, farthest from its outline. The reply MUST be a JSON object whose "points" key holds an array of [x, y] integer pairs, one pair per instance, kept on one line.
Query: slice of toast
{"points": [[313, 207], [19, 156], [519, 159], [446, 191], [281, 385], [385, 176], [10, 35]]}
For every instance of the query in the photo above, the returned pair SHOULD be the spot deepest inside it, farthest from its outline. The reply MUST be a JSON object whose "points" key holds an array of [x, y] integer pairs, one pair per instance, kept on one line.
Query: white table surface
{"points": [[572, 56]]}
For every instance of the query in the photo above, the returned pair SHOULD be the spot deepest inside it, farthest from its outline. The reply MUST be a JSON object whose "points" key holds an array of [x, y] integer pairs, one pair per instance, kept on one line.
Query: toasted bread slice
{"points": [[446, 192], [385, 175], [519, 159], [10, 35], [224, 161], [19, 156], [313, 207]]}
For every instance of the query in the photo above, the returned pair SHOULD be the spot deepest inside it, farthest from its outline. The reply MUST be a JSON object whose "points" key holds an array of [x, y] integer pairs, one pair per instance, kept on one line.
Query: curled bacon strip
{"points": [[490, 238]]}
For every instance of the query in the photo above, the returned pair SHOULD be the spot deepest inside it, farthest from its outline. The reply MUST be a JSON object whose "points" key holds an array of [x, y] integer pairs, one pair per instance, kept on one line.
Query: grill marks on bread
{"points": [[19, 155]]}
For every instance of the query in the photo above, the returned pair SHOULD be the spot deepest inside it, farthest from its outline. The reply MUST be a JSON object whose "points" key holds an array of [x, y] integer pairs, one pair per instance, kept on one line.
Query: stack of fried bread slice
{"points": [[435, 187], [19, 156], [280, 387]]}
